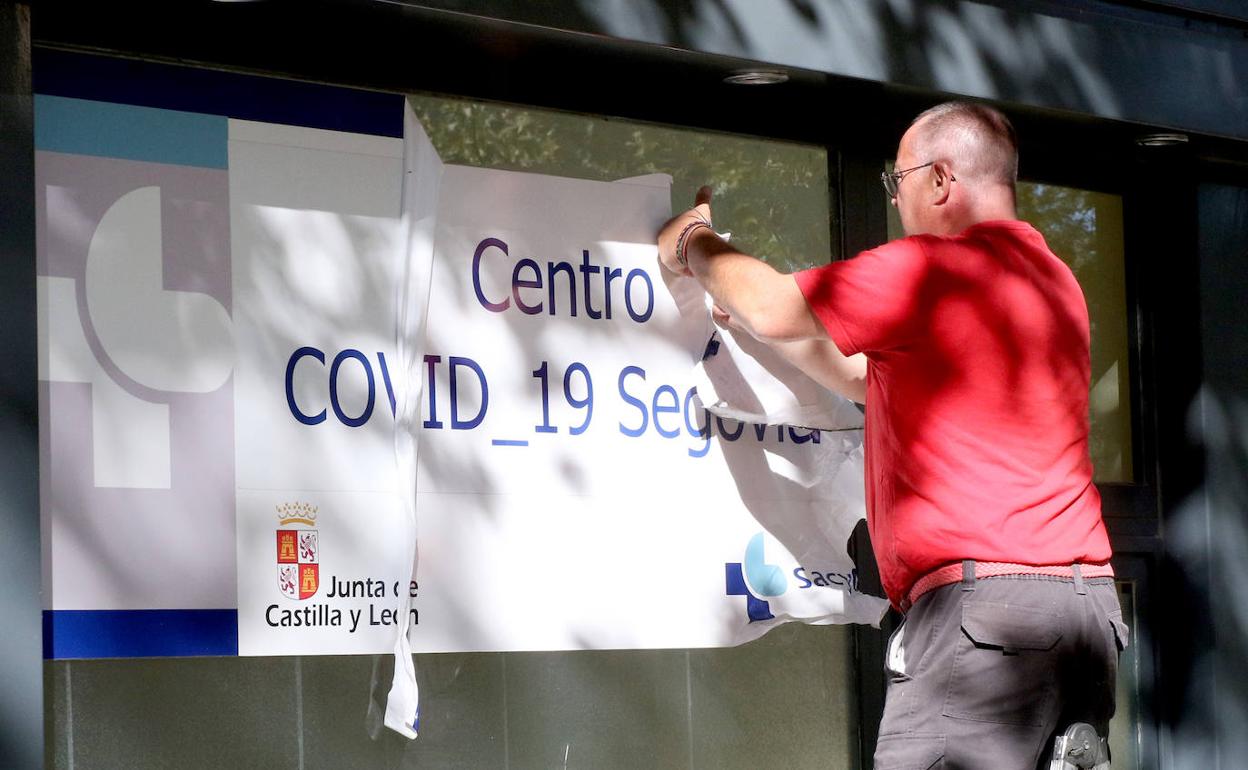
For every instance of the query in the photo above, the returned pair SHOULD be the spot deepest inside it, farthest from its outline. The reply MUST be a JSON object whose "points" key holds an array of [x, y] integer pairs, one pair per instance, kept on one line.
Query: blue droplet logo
{"points": [[765, 579]]}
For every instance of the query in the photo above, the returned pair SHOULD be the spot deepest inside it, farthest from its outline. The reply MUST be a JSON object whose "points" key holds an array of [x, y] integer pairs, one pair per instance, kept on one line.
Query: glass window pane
{"points": [[1084, 228], [785, 700], [773, 196]]}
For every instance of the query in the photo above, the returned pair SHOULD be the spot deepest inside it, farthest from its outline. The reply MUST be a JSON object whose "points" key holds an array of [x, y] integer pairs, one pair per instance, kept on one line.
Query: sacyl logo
{"points": [[766, 580], [760, 581]]}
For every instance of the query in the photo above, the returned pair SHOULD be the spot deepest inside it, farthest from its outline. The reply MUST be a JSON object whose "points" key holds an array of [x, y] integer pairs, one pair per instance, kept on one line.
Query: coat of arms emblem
{"points": [[298, 552]]}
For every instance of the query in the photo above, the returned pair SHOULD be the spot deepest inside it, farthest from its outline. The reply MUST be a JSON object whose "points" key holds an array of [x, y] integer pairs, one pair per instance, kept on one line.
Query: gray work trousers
{"points": [[984, 673]]}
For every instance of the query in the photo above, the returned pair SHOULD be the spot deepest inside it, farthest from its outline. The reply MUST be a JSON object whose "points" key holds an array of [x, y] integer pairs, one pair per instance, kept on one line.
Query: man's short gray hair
{"points": [[977, 140]]}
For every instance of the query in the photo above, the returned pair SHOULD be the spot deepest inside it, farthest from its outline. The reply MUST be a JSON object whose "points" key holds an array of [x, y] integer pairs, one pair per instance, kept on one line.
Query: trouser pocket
{"points": [[1005, 666], [913, 751]]}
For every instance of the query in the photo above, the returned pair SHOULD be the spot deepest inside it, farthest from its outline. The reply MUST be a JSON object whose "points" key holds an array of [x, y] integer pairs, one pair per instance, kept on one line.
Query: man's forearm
{"points": [[825, 364], [751, 295], [768, 304]]}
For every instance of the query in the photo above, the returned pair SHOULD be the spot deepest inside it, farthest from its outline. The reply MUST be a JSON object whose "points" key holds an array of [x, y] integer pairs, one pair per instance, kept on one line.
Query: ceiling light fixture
{"points": [[757, 77], [1161, 140]]}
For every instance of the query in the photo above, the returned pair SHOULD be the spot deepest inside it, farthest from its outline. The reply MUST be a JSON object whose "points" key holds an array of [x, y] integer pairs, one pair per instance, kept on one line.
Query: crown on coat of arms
{"points": [[296, 513]]}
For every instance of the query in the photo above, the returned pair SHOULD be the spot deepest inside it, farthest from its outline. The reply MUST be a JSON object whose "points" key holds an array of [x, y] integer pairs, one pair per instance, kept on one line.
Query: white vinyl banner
{"points": [[316, 266], [562, 434], [454, 401]]}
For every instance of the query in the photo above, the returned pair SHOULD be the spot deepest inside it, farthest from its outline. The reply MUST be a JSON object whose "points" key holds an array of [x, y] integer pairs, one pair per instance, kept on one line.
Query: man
{"points": [[968, 342]]}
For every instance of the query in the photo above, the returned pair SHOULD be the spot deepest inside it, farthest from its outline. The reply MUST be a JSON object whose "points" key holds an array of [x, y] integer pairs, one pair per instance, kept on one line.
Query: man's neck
{"points": [[990, 210]]}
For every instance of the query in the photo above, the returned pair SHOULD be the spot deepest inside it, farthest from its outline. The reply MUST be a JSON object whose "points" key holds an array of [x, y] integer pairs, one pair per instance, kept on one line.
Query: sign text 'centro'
{"points": [[527, 277]]}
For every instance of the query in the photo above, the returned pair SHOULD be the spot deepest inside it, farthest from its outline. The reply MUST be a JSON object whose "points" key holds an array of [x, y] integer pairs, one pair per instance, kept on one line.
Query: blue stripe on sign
{"points": [[139, 633], [124, 131], [212, 92]]}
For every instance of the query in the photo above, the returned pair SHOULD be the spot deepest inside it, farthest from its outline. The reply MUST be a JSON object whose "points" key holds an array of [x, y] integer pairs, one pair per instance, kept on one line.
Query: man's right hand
{"points": [[670, 232]]}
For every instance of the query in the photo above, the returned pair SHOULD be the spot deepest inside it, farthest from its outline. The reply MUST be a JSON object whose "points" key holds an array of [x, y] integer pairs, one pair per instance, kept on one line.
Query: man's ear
{"points": [[940, 181]]}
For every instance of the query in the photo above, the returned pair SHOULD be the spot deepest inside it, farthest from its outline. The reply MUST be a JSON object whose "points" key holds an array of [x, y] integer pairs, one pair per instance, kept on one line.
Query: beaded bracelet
{"points": [[682, 240]]}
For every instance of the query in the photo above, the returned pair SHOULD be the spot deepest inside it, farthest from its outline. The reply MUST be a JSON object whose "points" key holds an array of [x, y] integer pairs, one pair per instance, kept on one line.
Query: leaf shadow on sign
{"points": [[776, 478], [317, 279]]}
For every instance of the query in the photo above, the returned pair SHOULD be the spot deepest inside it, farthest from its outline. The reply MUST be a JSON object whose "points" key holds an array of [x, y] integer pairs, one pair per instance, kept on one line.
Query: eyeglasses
{"points": [[892, 179]]}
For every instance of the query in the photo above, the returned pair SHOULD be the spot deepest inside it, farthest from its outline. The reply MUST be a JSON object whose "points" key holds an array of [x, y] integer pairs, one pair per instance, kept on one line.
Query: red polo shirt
{"points": [[977, 399]]}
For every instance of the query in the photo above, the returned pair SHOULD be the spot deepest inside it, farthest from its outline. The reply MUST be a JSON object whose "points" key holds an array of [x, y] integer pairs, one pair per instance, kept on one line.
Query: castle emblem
{"points": [[298, 551]]}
